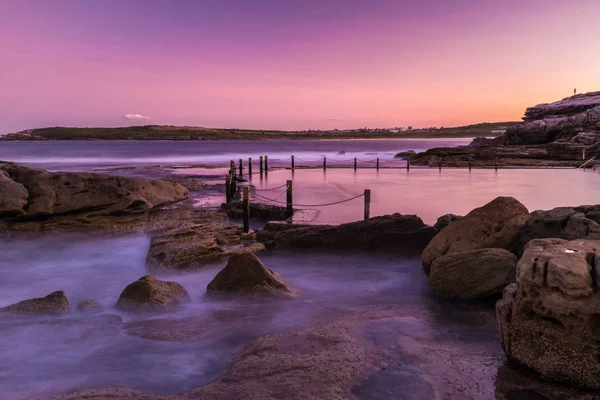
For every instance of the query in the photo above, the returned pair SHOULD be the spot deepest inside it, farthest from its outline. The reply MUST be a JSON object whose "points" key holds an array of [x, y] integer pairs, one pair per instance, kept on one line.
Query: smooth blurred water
{"points": [[85, 155]]}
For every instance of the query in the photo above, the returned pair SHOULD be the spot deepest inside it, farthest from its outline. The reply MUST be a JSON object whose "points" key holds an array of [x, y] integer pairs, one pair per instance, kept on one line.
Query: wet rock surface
{"points": [[472, 274], [89, 307], [245, 275], [151, 293], [397, 233], [260, 211], [494, 225], [549, 318], [13, 196], [55, 304]]}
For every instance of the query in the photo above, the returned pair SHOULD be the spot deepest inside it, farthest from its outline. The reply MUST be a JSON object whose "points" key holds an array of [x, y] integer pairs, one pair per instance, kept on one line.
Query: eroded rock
{"points": [[54, 304], [494, 225], [472, 274], [151, 293], [13, 196], [246, 275], [549, 317]]}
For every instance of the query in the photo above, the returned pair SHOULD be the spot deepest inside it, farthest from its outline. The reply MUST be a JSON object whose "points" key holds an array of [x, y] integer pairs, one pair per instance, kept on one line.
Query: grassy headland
{"points": [[166, 132]]}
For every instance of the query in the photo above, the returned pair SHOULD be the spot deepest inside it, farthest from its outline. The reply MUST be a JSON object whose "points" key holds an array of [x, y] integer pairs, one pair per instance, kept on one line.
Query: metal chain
{"points": [[267, 190]]}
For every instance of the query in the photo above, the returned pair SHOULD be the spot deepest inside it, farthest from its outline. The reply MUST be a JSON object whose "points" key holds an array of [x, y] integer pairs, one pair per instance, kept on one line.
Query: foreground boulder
{"points": [[445, 220], [54, 304], [549, 318], [562, 222], [31, 194], [13, 196], [246, 275], [494, 225], [198, 245], [150, 293], [397, 233], [472, 274]]}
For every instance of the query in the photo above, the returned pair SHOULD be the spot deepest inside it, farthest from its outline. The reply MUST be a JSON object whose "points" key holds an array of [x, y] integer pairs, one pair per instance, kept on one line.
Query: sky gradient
{"points": [[303, 64]]}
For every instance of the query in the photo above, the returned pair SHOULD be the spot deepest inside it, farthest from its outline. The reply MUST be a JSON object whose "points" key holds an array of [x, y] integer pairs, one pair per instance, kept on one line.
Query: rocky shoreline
{"points": [[565, 133]]}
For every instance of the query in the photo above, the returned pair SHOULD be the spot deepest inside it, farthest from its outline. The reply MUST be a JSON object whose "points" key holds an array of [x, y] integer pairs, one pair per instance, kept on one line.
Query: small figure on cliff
{"points": [[574, 91]]}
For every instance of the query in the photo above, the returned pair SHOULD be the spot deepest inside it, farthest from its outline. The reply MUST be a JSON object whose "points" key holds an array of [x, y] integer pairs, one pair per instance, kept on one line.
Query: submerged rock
{"points": [[55, 304], [246, 275], [472, 274], [198, 245], [397, 233], [89, 307], [494, 225], [549, 318], [150, 293]]}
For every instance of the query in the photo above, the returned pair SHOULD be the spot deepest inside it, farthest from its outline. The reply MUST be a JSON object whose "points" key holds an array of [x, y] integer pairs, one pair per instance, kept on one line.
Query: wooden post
{"points": [[470, 161], [232, 167], [292, 162], [261, 164], [367, 203], [324, 163], [232, 186], [289, 198], [407, 164], [355, 163], [496, 163], [241, 169], [228, 188], [440, 164], [250, 167], [266, 163], [246, 209], [377, 163]]}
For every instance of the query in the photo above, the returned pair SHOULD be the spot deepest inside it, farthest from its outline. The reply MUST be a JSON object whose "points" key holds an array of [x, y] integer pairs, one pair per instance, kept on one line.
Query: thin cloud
{"points": [[136, 116], [333, 119]]}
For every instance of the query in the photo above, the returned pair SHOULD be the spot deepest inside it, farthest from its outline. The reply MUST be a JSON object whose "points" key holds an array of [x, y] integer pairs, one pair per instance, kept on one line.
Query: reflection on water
{"points": [[43, 355], [430, 193]]}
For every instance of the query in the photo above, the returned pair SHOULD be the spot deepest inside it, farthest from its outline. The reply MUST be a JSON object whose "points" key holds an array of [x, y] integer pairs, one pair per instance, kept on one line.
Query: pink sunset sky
{"points": [[275, 64]]}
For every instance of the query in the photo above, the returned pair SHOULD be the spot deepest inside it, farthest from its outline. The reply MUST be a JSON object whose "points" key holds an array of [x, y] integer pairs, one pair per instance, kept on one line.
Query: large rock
{"points": [[198, 245], [569, 223], [55, 304], [472, 274], [445, 220], [151, 293], [66, 193], [397, 233], [13, 196], [549, 318], [494, 225], [246, 275]]}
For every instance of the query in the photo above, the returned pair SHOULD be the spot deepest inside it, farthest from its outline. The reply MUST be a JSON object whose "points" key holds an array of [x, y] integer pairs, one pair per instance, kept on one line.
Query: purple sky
{"points": [[290, 64]]}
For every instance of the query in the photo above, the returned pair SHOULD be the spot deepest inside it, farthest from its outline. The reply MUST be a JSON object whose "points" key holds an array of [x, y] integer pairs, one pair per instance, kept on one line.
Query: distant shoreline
{"points": [[174, 133]]}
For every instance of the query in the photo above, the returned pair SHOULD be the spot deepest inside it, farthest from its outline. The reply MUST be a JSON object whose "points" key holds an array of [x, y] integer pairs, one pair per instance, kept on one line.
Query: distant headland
{"points": [[167, 132]]}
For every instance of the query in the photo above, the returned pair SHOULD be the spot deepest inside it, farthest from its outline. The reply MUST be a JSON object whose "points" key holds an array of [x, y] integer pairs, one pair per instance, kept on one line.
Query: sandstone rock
{"points": [[55, 303], [198, 245], [486, 141], [562, 222], [567, 106], [397, 233], [472, 274], [89, 307], [13, 196], [586, 138], [494, 225], [549, 318], [150, 293], [246, 275], [75, 192], [445, 220]]}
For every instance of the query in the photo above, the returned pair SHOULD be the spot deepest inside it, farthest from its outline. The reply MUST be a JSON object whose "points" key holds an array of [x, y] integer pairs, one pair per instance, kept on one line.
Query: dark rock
{"points": [[260, 211], [549, 318], [494, 225], [55, 304], [483, 141], [406, 155], [341, 153], [586, 138], [89, 307], [150, 293], [445, 220], [472, 274], [397, 233], [246, 275], [13, 196]]}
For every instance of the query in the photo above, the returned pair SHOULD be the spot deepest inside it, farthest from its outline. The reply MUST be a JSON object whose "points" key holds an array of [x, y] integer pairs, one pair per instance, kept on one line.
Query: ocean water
{"points": [[86, 155]]}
